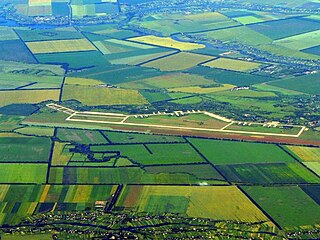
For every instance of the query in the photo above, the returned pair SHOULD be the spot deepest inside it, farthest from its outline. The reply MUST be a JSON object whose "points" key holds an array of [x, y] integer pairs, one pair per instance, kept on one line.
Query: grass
{"points": [[27, 96], [219, 152], [93, 96], [9, 123], [218, 203], [233, 64], [264, 129], [269, 88], [168, 81], [24, 149], [22, 53], [7, 33], [289, 206], [179, 61], [247, 93], [197, 120], [167, 42], [202, 90], [58, 46], [121, 137]]}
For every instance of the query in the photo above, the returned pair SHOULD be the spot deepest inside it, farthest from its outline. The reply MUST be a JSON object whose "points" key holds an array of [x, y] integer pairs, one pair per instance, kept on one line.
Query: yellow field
{"points": [[180, 61], [27, 96], [201, 90], [167, 42], [40, 2], [233, 64], [57, 46], [82, 81], [218, 202], [307, 154], [93, 96]]}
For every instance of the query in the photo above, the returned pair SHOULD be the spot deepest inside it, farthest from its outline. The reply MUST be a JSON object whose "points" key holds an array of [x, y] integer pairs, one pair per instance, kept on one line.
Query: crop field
{"points": [[229, 77], [189, 120], [119, 175], [218, 152], [283, 28], [13, 81], [75, 60], [168, 24], [102, 96], [168, 81], [179, 61], [301, 41], [32, 199], [206, 202], [9, 123], [80, 136], [250, 93], [58, 46], [7, 47], [23, 173], [270, 173], [233, 64], [27, 96], [306, 84], [33, 35], [61, 154], [241, 34], [167, 42], [34, 149], [307, 154], [293, 207], [151, 154], [7, 33]]}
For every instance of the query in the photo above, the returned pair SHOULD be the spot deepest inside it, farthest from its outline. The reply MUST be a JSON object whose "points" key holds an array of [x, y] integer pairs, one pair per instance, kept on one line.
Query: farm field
{"points": [[207, 202], [102, 96], [232, 64], [58, 46], [294, 207], [166, 42], [179, 61], [168, 81], [27, 96], [242, 152], [141, 119]]}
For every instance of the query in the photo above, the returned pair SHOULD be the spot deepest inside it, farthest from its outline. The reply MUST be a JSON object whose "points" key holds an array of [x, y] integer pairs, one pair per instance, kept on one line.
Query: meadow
{"points": [[233, 64]]}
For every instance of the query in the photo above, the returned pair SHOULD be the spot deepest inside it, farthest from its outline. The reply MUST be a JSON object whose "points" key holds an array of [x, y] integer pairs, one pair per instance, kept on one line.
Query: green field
{"points": [[230, 152], [80, 136], [288, 206], [271, 173], [24, 149]]}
